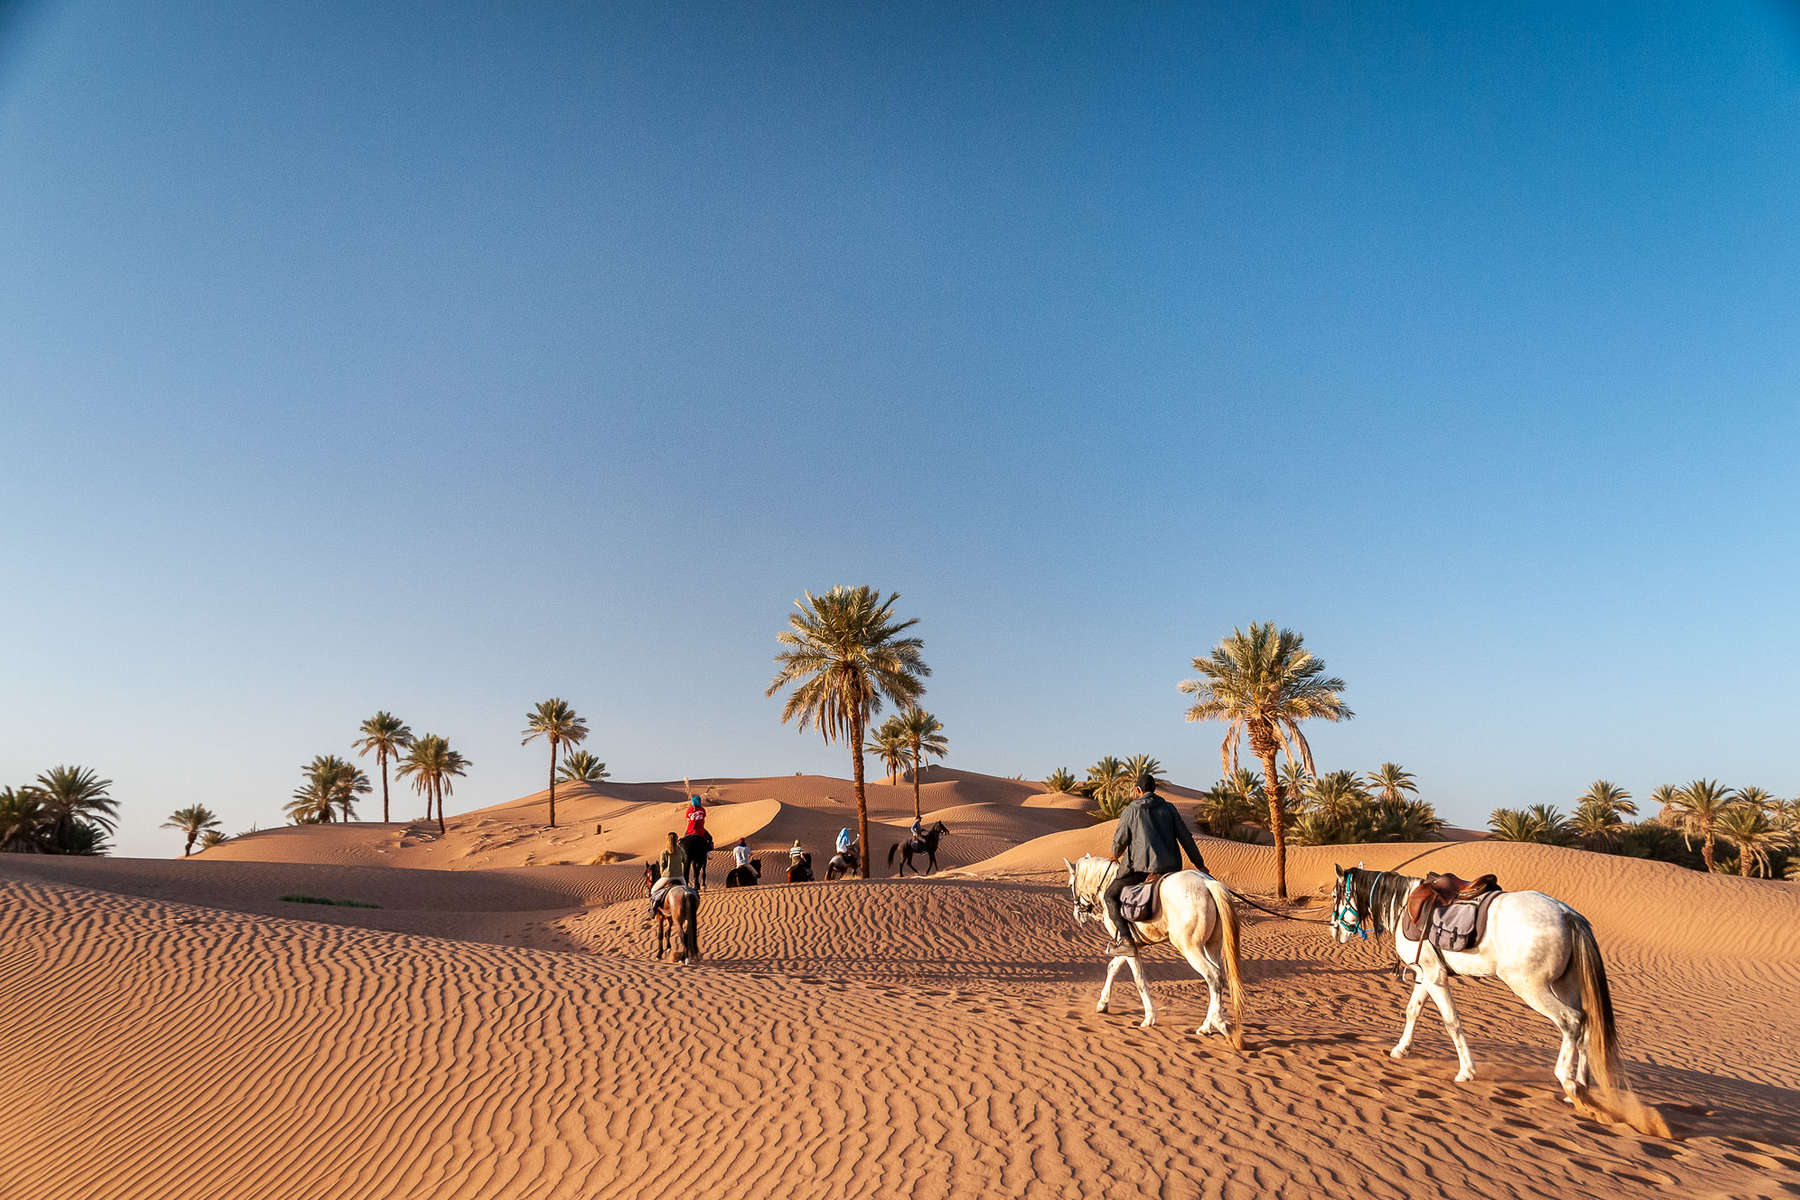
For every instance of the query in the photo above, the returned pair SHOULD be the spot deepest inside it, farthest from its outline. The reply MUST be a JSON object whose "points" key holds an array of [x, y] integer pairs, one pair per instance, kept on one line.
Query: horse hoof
{"points": [[1464, 1076], [1397, 1052], [1100, 1008], [1146, 1023]]}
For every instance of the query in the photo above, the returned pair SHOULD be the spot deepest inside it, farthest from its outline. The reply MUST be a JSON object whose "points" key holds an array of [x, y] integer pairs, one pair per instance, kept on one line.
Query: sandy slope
{"points": [[179, 1031]]}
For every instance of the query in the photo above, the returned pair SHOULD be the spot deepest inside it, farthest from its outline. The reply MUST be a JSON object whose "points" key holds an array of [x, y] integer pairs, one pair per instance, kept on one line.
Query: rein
{"points": [[1349, 919]]}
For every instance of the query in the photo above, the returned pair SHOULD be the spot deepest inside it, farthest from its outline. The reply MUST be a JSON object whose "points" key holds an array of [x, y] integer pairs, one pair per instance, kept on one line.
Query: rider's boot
{"points": [[1123, 945]]}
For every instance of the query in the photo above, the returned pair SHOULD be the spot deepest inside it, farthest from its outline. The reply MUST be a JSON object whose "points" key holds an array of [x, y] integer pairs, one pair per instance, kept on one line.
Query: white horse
{"points": [[1193, 914], [1540, 948]]}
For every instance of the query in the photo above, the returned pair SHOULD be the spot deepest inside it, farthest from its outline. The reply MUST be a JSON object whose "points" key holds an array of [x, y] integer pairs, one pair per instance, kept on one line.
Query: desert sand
{"points": [[498, 1026]]}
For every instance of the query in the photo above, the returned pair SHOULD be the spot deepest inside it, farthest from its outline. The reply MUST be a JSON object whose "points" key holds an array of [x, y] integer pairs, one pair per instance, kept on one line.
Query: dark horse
{"points": [[843, 864], [679, 909], [926, 845], [694, 849], [800, 869], [748, 876]]}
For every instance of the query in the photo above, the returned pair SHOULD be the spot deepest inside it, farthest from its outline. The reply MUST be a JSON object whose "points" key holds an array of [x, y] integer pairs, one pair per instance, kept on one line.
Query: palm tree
{"points": [[328, 789], [554, 721], [211, 838], [1060, 781], [924, 737], [1513, 825], [1749, 828], [1139, 765], [1414, 820], [1391, 783], [1222, 807], [24, 823], [1247, 785], [1110, 785], [1336, 795], [1596, 822], [845, 657], [1262, 684], [386, 735], [1663, 796], [579, 766], [311, 804], [1696, 809], [193, 821], [1607, 797], [71, 797], [1553, 827], [892, 747], [433, 764]]}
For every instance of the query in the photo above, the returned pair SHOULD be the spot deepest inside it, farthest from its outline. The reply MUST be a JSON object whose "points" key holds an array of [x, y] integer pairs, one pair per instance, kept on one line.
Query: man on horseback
{"points": [[846, 841], [740, 853], [1150, 840]]}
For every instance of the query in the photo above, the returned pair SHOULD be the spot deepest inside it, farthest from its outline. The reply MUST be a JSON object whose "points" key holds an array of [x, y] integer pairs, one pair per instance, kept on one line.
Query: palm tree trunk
{"points": [[382, 758], [438, 787], [862, 799], [1275, 824], [189, 850], [553, 783], [1706, 851], [916, 814]]}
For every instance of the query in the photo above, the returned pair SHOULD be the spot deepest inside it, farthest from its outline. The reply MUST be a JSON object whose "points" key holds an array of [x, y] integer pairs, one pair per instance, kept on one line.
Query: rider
{"points": [[795, 853], [696, 817], [845, 842], [917, 832], [672, 863], [740, 853], [1150, 840]]}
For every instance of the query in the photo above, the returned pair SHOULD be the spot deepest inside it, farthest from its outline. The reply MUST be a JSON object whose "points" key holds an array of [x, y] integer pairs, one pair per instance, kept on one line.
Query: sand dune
{"points": [[500, 1029]]}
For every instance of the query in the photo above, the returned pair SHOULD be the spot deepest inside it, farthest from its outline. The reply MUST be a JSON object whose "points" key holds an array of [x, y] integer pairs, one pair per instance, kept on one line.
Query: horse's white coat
{"points": [[1528, 945], [1188, 919]]}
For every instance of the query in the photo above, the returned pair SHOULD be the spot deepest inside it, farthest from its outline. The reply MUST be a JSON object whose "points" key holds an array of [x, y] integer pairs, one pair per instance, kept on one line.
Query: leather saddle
{"points": [[1432, 905], [1140, 901]]}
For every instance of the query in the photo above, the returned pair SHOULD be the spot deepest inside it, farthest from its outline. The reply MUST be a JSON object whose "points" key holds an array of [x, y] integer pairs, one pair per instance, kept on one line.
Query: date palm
{"points": [[1336, 796], [1606, 796], [1262, 684], [1391, 783], [328, 789], [1663, 797], [1553, 827], [1749, 828], [1514, 825], [579, 766], [924, 738], [24, 822], [386, 736], [1222, 807], [432, 764], [1696, 810], [192, 821], [211, 838], [845, 657], [1109, 784], [1596, 823], [554, 721], [1060, 781], [891, 747], [73, 796], [1142, 764]]}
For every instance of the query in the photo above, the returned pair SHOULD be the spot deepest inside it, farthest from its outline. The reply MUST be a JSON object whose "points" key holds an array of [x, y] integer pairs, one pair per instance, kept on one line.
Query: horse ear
{"points": [[1338, 869], [1069, 865]]}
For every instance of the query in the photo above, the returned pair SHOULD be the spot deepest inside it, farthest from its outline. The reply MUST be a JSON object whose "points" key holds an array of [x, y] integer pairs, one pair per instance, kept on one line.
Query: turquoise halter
{"points": [[1349, 919]]}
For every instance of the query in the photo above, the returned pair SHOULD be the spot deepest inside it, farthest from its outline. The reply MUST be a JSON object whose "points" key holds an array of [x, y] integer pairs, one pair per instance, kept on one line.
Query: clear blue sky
{"points": [[441, 358]]}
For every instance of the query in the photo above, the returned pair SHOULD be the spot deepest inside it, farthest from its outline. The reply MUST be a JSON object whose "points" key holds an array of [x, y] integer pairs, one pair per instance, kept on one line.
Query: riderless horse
{"points": [[1540, 948], [677, 909], [1193, 914], [926, 845]]}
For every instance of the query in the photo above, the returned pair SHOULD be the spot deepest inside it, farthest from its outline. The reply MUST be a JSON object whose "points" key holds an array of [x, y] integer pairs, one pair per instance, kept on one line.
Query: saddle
{"points": [[1448, 911], [1140, 901]]}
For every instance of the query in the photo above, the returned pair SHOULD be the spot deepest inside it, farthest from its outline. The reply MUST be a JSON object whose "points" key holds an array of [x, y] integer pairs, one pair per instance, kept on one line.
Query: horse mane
{"points": [[1382, 895]]}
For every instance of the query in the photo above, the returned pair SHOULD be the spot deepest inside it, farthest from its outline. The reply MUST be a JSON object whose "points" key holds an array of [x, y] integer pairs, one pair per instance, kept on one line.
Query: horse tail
{"points": [[895, 846], [1228, 928], [1613, 1099]]}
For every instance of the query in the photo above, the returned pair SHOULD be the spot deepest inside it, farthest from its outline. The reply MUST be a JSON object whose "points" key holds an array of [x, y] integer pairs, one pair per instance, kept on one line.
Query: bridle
{"points": [[1347, 918], [1088, 907]]}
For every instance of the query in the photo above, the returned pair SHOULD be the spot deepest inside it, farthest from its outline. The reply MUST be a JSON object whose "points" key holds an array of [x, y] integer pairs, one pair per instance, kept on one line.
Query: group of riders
{"points": [[683, 861]]}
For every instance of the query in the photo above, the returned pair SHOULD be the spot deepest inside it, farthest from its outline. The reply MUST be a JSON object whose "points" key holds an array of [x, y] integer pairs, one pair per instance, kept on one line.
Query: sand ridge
{"points": [[505, 1032]]}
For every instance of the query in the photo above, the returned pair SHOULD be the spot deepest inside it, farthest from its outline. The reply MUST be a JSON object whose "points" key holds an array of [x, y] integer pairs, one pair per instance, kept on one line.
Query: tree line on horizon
{"points": [[1763, 832]]}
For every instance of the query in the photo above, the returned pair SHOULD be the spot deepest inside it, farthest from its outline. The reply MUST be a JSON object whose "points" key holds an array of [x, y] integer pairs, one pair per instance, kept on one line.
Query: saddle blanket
{"points": [[1139, 902], [1458, 926]]}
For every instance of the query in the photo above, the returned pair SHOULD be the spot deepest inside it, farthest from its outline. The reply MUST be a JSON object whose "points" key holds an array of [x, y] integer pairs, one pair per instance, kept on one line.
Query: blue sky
{"points": [[442, 358]]}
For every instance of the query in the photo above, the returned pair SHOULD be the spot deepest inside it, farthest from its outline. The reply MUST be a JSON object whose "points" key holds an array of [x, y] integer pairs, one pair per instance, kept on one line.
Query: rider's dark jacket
{"points": [[1151, 837]]}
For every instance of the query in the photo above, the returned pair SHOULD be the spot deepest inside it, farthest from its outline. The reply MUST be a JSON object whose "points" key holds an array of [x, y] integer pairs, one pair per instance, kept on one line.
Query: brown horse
{"points": [[677, 909]]}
